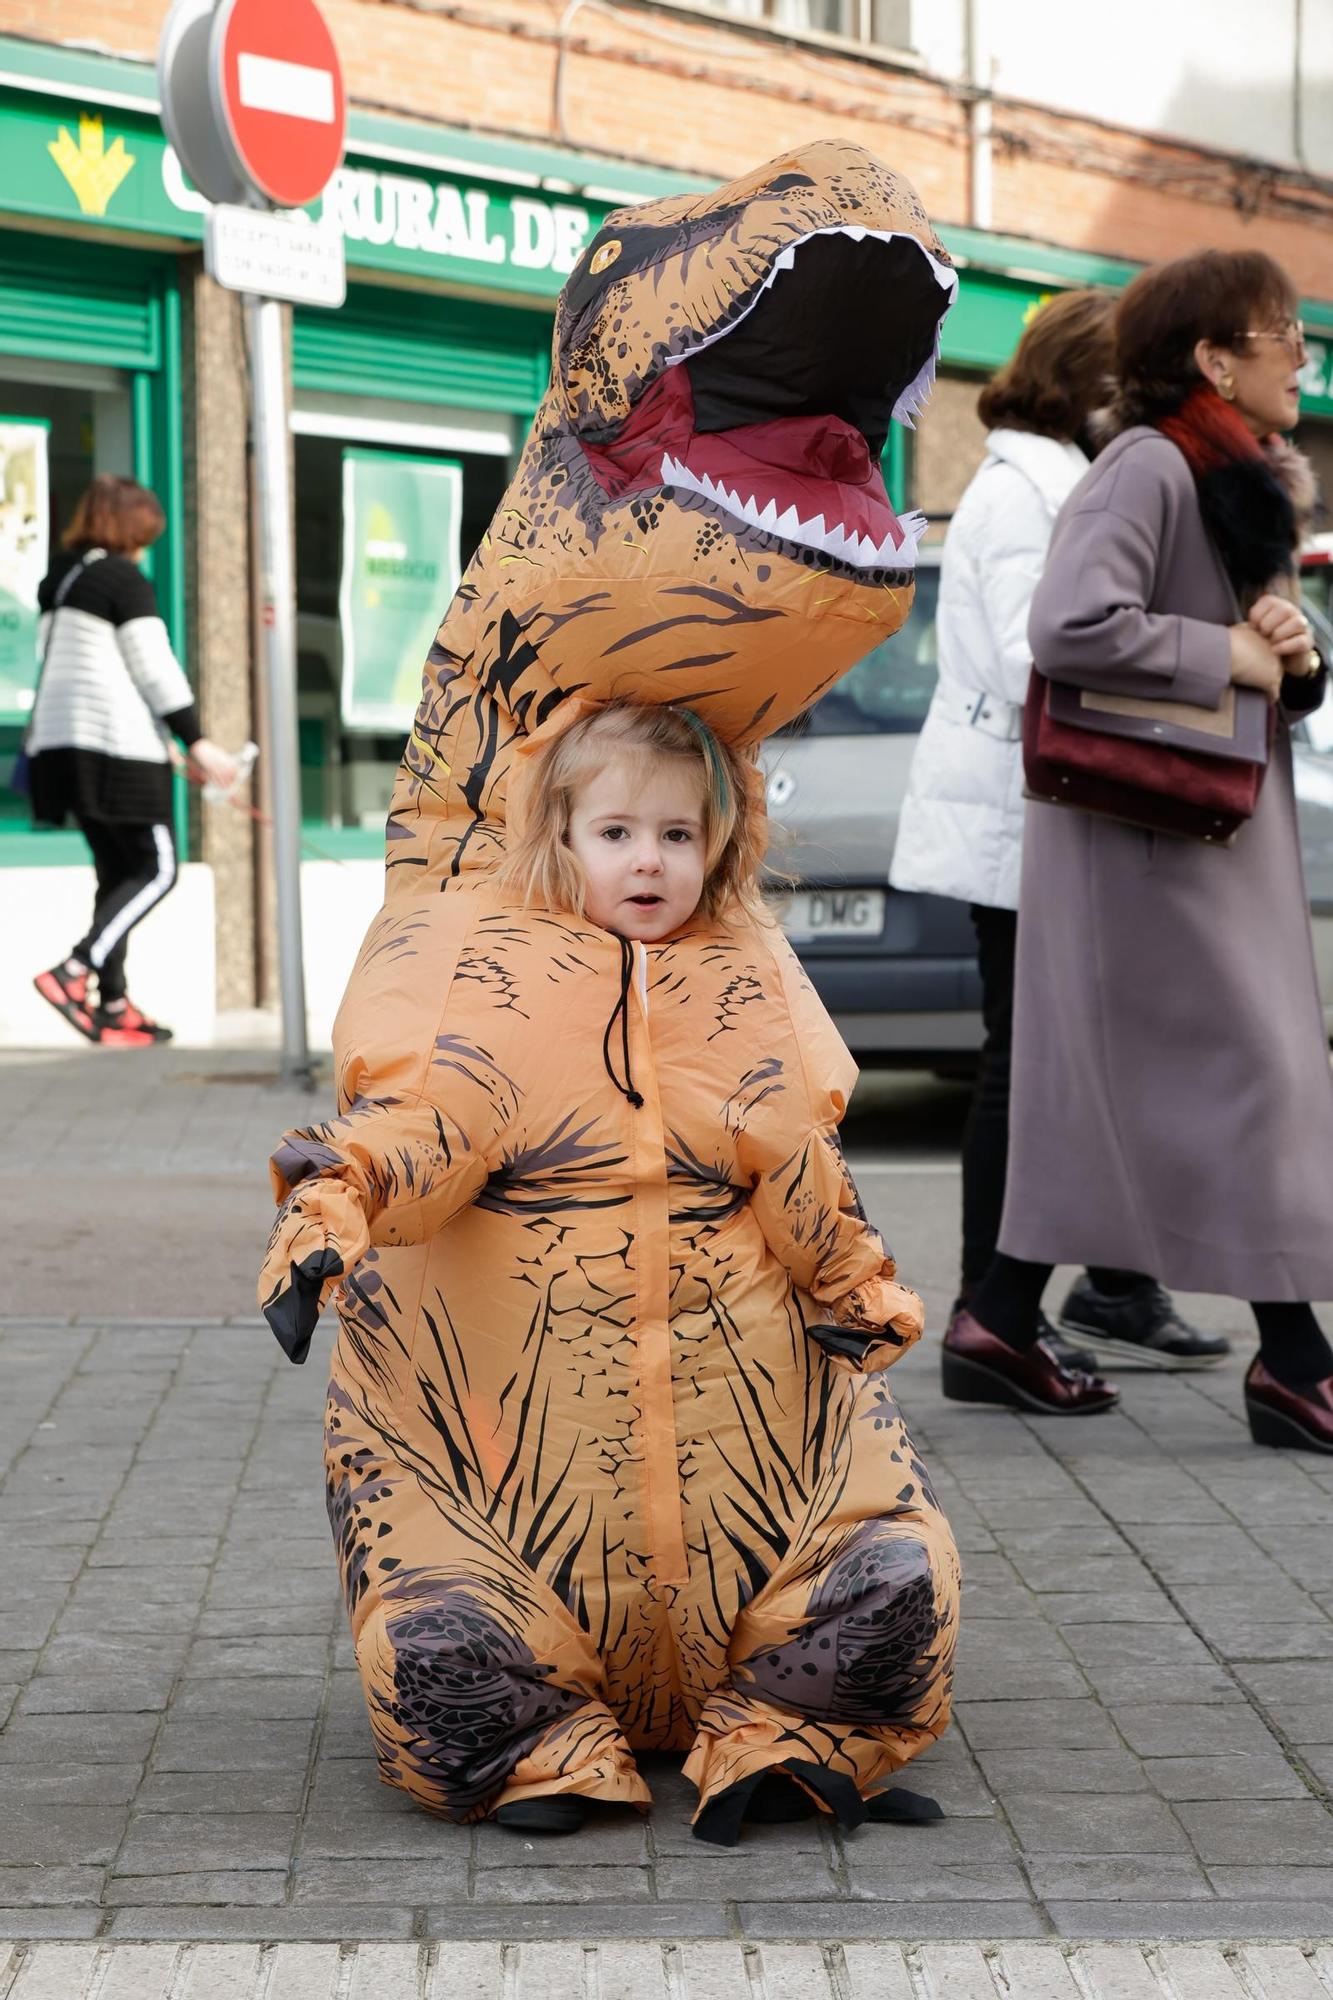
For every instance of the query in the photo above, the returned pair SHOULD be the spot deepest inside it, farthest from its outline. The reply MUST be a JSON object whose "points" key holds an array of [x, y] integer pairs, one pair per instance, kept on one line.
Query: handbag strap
{"points": [[62, 591], [64, 587]]}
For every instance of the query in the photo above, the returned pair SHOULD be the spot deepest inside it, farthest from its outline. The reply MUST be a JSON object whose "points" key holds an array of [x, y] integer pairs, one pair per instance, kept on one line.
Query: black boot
{"points": [[778, 1800], [553, 1812], [1138, 1328], [774, 1798]]}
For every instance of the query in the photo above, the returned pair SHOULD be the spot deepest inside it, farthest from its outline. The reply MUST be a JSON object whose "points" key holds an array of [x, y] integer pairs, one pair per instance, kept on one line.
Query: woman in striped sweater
{"points": [[110, 692]]}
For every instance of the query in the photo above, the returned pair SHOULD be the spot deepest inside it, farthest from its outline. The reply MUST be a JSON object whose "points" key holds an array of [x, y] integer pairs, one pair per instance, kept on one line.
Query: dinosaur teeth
{"points": [[818, 535], [918, 390]]}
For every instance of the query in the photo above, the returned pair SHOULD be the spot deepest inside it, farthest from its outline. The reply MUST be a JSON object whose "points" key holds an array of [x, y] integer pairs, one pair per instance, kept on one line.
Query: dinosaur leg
{"points": [[841, 1664], [481, 1684], [466, 1713]]}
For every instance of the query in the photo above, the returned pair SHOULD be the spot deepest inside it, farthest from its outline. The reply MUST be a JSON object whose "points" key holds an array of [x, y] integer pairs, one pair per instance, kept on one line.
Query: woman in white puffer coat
{"points": [[961, 828]]}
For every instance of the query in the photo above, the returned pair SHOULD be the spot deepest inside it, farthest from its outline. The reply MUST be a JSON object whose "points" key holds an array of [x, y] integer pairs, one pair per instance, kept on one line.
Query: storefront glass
{"points": [[89, 382], [421, 385], [347, 771]]}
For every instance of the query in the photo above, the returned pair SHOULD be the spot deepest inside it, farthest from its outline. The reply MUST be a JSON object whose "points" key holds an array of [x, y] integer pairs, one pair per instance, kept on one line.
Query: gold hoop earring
{"points": [[1226, 387]]}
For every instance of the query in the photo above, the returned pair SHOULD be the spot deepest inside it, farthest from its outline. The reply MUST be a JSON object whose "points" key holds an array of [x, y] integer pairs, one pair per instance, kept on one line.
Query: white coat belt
{"points": [[973, 708]]}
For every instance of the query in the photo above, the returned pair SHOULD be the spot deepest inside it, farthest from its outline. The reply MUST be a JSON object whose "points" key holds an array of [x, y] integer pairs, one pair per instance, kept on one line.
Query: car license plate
{"points": [[832, 913]]}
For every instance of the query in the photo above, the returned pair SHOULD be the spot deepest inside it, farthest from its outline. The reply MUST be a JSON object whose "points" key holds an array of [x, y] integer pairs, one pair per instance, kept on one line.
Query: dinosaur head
{"points": [[699, 514], [813, 288]]}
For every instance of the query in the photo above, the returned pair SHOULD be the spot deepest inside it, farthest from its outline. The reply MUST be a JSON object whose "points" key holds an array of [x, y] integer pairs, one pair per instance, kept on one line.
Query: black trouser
{"points": [[985, 1149], [136, 868]]}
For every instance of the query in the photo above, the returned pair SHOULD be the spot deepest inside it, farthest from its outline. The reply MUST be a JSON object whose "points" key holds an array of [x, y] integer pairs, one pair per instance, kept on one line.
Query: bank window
{"points": [[884, 24], [58, 426], [377, 531]]}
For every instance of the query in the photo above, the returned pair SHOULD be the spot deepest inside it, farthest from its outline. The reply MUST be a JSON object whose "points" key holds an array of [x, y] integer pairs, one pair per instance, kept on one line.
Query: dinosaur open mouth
{"points": [[777, 418], [801, 479], [845, 323]]}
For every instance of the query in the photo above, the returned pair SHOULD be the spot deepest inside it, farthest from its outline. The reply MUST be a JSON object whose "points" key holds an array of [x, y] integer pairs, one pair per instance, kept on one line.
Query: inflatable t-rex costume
{"points": [[595, 1486]]}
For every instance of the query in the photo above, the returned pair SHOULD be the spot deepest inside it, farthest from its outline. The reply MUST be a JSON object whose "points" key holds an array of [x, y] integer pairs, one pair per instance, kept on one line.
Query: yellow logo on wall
{"points": [[93, 169]]}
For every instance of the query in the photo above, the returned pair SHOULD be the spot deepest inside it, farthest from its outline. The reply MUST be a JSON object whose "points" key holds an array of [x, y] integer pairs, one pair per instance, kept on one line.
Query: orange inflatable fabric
{"points": [[596, 1486]]}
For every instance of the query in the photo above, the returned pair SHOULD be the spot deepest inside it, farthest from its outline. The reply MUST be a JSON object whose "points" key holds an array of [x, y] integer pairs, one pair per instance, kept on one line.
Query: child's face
{"points": [[638, 831]]}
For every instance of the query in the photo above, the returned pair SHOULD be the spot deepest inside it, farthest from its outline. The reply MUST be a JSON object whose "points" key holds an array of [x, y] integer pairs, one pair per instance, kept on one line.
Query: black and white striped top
{"points": [[111, 688]]}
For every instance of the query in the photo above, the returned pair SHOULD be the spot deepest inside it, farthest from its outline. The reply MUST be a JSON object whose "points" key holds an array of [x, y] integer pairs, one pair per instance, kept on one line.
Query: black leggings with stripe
{"points": [[136, 868]]}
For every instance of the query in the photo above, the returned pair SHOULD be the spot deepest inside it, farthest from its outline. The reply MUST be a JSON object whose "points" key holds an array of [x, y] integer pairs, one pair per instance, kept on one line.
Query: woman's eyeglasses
{"points": [[1292, 336]]}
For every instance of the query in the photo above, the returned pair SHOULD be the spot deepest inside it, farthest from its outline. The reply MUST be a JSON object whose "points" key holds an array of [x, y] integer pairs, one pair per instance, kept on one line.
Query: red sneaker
{"points": [[128, 1027], [67, 992], [123, 1038]]}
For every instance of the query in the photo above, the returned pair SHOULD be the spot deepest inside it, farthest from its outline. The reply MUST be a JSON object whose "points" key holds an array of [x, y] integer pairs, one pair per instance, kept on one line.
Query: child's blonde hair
{"points": [[540, 865]]}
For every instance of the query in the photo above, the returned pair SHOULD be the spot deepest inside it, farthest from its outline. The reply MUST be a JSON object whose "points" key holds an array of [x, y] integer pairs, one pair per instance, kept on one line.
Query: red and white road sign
{"points": [[278, 91]]}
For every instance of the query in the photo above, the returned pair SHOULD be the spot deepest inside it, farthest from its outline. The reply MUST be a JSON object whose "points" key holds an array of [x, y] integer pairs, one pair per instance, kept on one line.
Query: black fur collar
{"points": [[1249, 514]]}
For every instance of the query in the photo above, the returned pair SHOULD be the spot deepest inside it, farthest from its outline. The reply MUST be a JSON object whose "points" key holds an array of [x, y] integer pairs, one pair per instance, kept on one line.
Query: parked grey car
{"points": [[898, 971]]}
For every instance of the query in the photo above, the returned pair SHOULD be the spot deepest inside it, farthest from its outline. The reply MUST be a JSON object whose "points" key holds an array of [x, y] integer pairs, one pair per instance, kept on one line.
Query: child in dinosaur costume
{"points": [[596, 1486]]}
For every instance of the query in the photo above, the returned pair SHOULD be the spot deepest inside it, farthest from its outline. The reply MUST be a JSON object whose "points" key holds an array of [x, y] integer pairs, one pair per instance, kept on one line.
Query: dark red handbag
{"points": [[1169, 766]]}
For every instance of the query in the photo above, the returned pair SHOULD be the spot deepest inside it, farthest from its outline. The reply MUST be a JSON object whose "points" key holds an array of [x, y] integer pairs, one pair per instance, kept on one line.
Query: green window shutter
{"points": [[421, 348], [77, 301]]}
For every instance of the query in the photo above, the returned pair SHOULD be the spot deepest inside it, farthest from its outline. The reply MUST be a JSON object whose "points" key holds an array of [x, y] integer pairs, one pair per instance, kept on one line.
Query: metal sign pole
{"points": [[268, 376], [249, 154]]}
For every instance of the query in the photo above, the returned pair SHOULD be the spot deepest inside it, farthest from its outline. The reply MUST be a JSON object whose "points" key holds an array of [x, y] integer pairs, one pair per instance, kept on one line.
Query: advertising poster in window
{"points": [[25, 515], [400, 568]]}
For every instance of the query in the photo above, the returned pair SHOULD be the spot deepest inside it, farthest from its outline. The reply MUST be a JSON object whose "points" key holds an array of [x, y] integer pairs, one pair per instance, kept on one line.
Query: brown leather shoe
{"points": [[1300, 1419], [977, 1367]]}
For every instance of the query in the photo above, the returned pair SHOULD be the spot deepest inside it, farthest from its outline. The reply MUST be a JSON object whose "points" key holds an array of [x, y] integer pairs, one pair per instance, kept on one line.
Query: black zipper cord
{"points": [[621, 1008]]}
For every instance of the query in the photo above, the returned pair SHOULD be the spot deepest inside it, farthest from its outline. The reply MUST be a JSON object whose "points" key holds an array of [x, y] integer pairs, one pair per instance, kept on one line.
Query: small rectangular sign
{"points": [[275, 255]]}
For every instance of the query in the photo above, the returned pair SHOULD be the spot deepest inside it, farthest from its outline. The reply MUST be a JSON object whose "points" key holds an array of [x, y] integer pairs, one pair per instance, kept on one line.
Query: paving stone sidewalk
{"points": [[1144, 1747], [1145, 1732], [640, 1970]]}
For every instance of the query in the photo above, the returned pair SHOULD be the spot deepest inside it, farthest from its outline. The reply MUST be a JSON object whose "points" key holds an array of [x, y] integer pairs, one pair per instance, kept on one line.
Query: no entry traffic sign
{"points": [[277, 92]]}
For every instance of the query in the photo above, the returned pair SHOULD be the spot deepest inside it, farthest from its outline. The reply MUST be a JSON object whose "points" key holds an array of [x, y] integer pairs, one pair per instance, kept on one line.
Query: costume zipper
{"points": [[621, 1012]]}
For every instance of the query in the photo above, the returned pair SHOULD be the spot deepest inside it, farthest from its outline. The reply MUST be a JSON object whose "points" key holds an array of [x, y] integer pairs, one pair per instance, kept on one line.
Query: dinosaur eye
{"points": [[603, 259]]}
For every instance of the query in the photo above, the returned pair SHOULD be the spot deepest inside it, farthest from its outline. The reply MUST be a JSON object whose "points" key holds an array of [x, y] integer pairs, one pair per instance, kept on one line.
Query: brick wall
{"points": [[950, 444], [672, 90]]}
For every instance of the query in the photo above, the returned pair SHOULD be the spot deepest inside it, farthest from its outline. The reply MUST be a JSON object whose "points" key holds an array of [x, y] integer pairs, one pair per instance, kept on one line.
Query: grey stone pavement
{"points": [[1144, 1742], [646, 1970]]}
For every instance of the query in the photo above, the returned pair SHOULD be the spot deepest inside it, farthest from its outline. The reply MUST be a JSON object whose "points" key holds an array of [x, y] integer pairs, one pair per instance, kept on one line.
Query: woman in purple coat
{"points": [[1172, 1102]]}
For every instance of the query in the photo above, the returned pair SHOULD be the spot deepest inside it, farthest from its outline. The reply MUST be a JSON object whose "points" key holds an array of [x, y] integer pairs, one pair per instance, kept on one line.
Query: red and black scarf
{"points": [[1242, 483]]}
